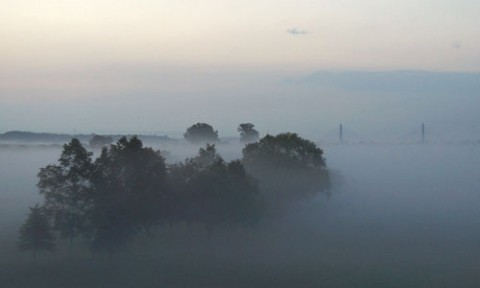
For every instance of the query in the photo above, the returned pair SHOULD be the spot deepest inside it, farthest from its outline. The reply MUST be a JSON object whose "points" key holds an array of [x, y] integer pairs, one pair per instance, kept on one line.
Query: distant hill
{"points": [[398, 81], [24, 136], [53, 138]]}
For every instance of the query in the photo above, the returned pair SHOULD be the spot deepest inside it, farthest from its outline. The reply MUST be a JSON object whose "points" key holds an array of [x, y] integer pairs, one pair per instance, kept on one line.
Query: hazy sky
{"points": [[426, 34], [152, 66]]}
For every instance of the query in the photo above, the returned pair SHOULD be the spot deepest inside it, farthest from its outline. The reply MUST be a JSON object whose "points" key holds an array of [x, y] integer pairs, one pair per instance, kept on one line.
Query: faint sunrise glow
{"points": [[375, 34], [54, 50]]}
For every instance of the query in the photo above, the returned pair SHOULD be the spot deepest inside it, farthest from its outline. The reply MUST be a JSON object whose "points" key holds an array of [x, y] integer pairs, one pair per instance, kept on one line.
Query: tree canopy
{"points": [[98, 141], [287, 166], [67, 189], [214, 192], [201, 133], [248, 134], [286, 150], [129, 189], [35, 234]]}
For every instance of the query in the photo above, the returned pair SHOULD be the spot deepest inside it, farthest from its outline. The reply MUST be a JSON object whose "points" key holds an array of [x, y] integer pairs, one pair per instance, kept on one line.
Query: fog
{"points": [[403, 215]]}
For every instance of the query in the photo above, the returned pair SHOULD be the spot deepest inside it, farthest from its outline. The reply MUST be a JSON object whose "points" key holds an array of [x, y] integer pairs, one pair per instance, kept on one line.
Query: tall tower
{"points": [[423, 132], [340, 135]]}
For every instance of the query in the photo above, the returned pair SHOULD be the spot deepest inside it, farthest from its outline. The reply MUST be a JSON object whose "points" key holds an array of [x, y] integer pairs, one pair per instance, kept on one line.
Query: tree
{"points": [[98, 141], [210, 191], [35, 233], [248, 134], [287, 166], [68, 191], [130, 192], [201, 133]]}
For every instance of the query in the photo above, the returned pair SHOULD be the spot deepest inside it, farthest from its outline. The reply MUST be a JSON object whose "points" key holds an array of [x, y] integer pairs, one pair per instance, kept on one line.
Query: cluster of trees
{"points": [[35, 233], [204, 133], [201, 133], [214, 192], [289, 167], [99, 141], [129, 189]]}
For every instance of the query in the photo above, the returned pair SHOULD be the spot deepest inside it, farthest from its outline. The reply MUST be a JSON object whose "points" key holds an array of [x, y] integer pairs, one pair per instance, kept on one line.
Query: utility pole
{"points": [[423, 132], [340, 136]]}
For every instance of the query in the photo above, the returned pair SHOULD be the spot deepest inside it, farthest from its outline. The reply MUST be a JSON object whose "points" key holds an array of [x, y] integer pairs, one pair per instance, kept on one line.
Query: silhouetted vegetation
{"points": [[25, 136], [98, 141], [35, 233], [19, 137], [248, 134], [67, 190], [201, 133], [287, 166], [129, 189], [213, 192]]}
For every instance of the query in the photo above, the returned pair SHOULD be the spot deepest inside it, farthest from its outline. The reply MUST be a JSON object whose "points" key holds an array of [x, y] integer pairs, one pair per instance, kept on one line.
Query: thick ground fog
{"points": [[399, 216]]}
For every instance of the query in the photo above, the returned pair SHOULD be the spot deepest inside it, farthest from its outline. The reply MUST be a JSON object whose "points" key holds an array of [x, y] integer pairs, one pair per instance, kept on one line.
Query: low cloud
{"points": [[296, 31]]}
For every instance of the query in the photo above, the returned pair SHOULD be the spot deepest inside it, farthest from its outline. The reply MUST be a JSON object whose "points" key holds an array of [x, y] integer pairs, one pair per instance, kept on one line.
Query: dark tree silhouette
{"points": [[287, 166], [213, 192], [68, 191], [98, 141], [201, 133], [130, 192], [248, 134], [35, 233]]}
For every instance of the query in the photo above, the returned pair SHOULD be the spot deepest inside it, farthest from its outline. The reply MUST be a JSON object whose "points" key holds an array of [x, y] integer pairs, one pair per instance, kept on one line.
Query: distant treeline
{"points": [[129, 189], [25, 136], [197, 133]]}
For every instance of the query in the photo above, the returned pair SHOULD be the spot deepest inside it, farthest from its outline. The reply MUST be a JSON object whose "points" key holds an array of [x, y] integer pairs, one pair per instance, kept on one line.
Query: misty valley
{"points": [[189, 214], [126, 158]]}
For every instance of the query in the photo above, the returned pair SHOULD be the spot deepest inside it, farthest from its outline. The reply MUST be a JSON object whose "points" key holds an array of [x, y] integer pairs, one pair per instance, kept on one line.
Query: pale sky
{"points": [[63, 54], [369, 34]]}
